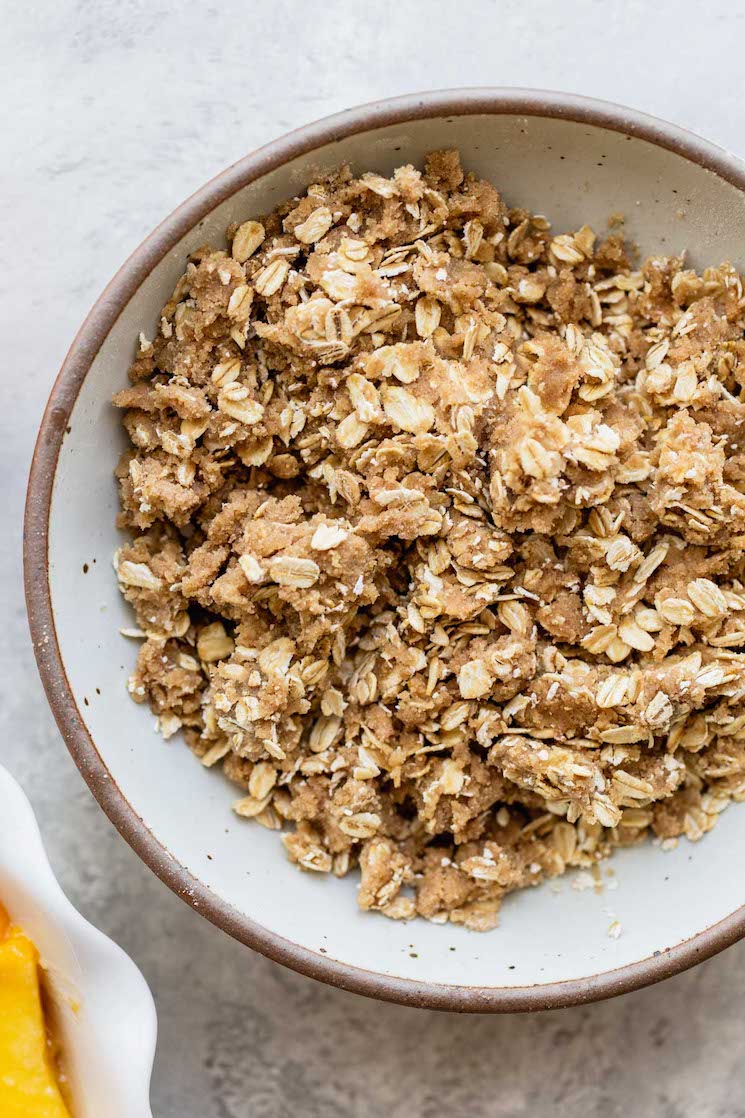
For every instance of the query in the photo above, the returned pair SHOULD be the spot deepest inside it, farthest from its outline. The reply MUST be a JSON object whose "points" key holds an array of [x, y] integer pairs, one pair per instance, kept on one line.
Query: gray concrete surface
{"points": [[113, 113]]}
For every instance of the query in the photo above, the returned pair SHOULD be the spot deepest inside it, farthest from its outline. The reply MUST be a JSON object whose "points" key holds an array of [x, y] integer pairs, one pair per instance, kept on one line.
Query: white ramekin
{"points": [[104, 1010]]}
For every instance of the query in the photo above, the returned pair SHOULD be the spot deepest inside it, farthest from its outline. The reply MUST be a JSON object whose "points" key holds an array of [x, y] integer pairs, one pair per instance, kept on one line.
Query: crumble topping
{"points": [[438, 525]]}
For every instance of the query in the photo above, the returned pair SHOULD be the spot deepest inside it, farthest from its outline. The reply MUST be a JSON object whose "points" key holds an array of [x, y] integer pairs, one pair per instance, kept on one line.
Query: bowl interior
{"points": [[575, 173]]}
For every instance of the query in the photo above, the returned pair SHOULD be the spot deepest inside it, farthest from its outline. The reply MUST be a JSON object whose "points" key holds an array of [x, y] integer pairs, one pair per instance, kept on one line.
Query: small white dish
{"points": [[104, 1011]]}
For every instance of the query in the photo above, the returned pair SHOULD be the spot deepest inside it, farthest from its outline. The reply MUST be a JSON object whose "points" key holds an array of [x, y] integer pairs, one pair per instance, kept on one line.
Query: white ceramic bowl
{"points": [[576, 161], [103, 1008]]}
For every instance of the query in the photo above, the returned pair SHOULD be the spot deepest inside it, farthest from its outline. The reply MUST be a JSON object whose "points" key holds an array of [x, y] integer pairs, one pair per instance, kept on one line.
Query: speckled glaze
{"points": [[575, 160]]}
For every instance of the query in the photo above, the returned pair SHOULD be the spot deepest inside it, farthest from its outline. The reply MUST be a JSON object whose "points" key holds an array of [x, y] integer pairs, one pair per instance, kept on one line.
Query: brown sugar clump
{"points": [[438, 526]]}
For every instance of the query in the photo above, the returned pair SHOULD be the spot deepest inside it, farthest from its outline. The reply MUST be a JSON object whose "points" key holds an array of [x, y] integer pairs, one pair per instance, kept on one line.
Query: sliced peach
{"points": [[28, 1084]]}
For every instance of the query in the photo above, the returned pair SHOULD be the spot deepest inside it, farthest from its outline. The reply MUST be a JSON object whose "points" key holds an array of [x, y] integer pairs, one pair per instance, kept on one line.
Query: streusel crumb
{"points": [[438, 527]]}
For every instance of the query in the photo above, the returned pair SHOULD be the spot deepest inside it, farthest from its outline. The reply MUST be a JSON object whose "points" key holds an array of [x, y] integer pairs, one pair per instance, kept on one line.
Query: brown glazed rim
{"points": [[477, 999]]}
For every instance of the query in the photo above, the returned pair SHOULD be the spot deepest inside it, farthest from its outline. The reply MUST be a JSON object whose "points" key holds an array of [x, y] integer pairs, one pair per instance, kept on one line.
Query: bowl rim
{"points": [[84, 349]]}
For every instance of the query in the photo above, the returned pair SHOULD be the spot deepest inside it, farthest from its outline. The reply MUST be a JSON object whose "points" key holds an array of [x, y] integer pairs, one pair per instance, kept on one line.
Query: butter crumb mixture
{"points": [[438, 524]]}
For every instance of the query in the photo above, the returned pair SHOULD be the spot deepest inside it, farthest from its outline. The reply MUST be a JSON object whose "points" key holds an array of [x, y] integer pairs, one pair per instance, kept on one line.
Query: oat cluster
{"points": [[438, 527]]}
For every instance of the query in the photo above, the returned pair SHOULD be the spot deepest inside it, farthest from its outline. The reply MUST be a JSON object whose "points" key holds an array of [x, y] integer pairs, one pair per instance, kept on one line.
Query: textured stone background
{"points": [[112, 113]]}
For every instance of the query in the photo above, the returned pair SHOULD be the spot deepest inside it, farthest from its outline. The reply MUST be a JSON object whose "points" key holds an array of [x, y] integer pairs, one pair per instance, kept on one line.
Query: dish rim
{"points": [[98, 962], [83, 351]]}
